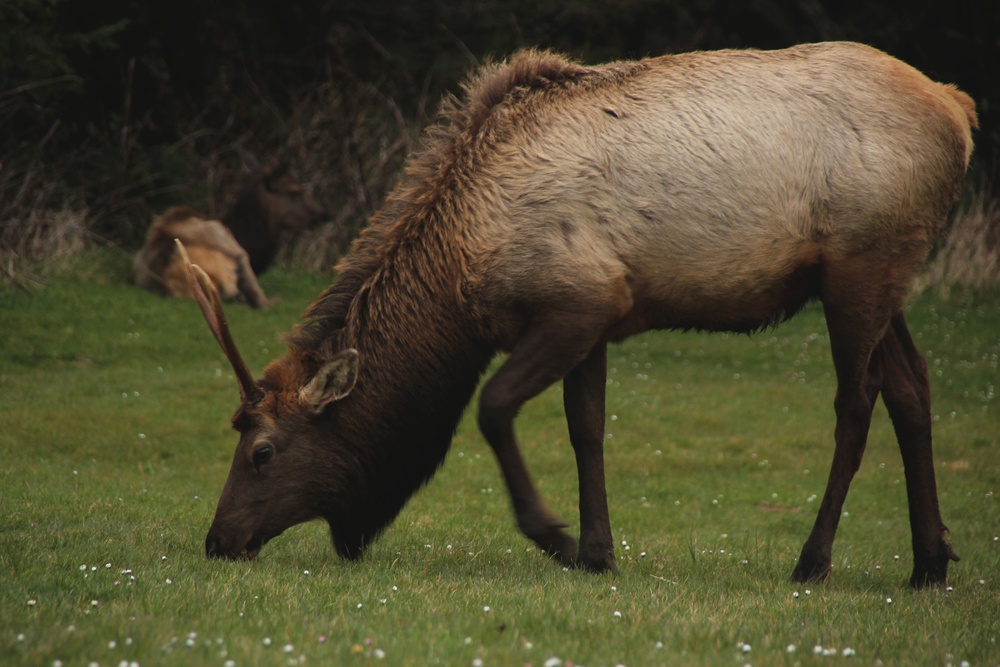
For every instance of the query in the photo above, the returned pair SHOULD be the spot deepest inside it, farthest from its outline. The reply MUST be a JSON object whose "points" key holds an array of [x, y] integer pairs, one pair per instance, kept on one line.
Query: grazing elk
{"points": [[234, 250], [558, 208]]}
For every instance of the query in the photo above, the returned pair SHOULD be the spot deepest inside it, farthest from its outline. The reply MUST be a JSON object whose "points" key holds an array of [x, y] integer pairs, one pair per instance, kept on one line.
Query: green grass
{"points": [[114, 436]]}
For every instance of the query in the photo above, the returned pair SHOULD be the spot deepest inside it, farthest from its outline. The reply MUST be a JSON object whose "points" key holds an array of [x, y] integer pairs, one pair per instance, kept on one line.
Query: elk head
{"points": [[283, 472], [291, 208]]}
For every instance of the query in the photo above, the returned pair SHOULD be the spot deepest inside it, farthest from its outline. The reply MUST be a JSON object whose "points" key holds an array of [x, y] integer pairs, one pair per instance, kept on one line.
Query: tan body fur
{"points": [[558, 208], [210, 244], [710, 201]]}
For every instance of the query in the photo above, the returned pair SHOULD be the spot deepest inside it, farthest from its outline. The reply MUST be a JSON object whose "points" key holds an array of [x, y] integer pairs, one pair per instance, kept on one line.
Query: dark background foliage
{"points": [[120, 108]]}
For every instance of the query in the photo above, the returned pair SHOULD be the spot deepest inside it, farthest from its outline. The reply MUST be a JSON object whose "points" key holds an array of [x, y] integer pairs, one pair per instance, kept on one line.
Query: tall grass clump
{"points": [[969, 253]]}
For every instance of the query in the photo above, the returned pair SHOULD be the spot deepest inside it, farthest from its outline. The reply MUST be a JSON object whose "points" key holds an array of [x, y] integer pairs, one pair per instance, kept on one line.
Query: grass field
{"points": [[115, 441]]}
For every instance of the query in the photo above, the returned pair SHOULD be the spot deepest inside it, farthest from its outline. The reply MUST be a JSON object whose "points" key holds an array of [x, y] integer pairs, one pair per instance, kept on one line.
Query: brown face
{"points": [[284, 470], [290, 205], [255, 505]]}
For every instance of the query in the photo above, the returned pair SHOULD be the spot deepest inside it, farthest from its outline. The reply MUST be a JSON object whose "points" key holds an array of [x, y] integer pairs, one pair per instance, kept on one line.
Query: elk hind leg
{"points": [[906, 393], [854, 333]]}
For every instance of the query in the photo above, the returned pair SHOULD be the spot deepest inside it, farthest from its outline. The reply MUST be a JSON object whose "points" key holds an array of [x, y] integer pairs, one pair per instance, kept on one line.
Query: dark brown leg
{"points": [[852, 339], [539, 360], [553, 346], [906, 393], [583, 398]]}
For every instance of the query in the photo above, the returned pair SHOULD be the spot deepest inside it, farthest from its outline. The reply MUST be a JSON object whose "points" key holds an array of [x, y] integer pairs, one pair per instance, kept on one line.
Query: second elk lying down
{"points": [[272, 208], [557, 208]]}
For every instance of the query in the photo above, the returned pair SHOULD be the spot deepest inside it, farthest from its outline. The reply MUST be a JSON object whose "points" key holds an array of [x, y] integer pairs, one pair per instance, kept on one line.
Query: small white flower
{"points": [[745, 648], [888, 600], [288, 648], [267, 641], [847, 652], [378, 654], [486, 609], [554, 661], [790, 648], [617, 614]]}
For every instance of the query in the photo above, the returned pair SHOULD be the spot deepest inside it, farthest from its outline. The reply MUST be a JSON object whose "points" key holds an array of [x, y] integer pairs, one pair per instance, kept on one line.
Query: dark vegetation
{"points": [[113, 110]]}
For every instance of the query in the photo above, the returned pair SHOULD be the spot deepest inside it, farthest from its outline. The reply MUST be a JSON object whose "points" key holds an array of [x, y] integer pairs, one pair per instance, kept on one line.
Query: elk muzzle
{"points": [[219, 547]]}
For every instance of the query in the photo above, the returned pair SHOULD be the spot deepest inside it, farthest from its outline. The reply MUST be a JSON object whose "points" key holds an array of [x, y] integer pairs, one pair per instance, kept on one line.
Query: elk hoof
{"points": [[598, 559], [811, 568], [932, 571], [557, 544]]}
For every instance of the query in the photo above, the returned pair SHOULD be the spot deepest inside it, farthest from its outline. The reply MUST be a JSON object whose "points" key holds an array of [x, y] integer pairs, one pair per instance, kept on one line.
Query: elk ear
{"points": [[332, 382]]}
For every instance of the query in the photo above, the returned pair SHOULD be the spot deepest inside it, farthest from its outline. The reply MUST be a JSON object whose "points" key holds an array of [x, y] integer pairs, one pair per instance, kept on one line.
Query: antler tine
{"points": [[210, 304]]}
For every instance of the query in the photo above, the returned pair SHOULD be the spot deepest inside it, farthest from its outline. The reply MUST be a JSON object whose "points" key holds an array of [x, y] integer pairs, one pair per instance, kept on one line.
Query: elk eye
{"points": [[262, 455]]}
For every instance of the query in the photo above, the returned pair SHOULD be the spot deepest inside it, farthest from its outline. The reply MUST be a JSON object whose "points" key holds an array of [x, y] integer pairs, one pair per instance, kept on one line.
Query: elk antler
{"points": [[208, 300]]}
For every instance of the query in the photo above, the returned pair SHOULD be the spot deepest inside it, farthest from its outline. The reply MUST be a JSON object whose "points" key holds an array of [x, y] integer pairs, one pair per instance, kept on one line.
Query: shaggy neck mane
{"points": [[499, 101], [399, 298]]}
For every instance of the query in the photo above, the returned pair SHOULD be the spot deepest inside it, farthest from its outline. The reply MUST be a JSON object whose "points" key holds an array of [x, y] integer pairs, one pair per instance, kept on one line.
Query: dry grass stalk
{"points": [[969, 255]]}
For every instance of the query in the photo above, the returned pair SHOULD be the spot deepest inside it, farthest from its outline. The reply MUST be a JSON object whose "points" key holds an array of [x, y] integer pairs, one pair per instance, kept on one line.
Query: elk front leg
{"points": [[246, 279], [536, 362]]}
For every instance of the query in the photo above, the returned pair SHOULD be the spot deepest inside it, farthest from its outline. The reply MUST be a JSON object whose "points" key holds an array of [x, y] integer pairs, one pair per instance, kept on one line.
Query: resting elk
{"points": [[272, 207], [557, 208]]}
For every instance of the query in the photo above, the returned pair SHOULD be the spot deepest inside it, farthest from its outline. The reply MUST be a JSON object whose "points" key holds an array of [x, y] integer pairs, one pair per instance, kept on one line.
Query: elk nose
{"points": [[212, 547]]}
